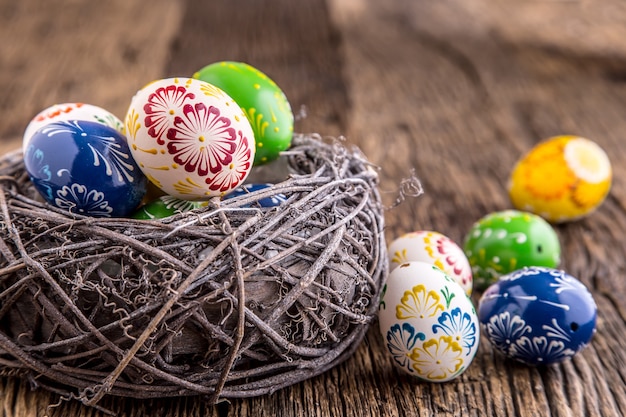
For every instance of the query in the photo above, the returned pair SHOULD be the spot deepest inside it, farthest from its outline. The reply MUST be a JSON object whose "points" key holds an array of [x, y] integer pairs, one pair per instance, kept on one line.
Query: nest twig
{"points": [[226, 301]]}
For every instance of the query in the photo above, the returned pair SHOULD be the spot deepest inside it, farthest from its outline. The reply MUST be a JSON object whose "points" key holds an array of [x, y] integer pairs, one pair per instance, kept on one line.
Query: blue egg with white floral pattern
{"points": [[85, 168], [428, 323], [262, 200], [538, 315]]}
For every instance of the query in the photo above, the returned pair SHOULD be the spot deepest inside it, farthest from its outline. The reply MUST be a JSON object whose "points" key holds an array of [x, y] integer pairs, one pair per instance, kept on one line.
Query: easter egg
{"points": [[165, 206], [264, 103], [561, 179], [85, 168], [504, 241], [271, 200], [428, 324], [70, 111], [538, 315], [434, 248], [189, 138]]}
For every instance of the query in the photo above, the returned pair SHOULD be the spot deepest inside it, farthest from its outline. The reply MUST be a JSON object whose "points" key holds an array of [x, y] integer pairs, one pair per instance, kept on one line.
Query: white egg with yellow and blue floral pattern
{"points": [[428, 323]]}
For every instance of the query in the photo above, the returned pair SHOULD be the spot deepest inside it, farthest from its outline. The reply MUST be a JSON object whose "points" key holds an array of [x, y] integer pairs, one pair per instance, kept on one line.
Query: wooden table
{"points": [[455, 89]]}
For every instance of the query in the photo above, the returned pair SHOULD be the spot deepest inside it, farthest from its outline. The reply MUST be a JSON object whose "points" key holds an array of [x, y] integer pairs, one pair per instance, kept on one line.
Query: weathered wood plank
{"points": [[71, 51], [459, 90], [456, 89]]}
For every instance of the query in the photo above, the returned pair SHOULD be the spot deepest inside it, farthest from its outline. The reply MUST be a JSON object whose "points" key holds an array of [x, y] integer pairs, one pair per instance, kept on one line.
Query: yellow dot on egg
{"points": [[171, 112], [175, 166], [237, 118], [257, 86], [201, 138], [134, 146], [163, 151], [231, 166]]}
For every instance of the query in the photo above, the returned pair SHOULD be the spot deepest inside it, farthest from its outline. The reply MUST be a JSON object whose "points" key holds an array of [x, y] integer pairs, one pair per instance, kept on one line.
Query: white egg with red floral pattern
{"points": [[70, 111], [190, 138], [434, 248], [429, 325]]}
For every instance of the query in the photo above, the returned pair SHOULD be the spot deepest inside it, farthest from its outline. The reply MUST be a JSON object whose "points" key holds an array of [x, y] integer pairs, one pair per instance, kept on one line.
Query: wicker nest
{"points": [[226, 301]]}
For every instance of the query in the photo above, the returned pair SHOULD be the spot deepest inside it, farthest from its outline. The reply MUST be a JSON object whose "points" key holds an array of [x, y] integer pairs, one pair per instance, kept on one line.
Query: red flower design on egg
{"points": [[162, 107], [202, 140], [233, 174], [453, 257]]}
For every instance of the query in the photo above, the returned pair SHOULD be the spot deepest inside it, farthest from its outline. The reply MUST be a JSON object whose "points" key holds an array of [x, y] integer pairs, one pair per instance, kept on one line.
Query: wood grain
{"points": [[455, 90]]}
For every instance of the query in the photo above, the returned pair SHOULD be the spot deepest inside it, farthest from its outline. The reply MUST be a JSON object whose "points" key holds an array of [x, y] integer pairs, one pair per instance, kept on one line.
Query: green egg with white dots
{"points": [[508, 240], [263, 102]]}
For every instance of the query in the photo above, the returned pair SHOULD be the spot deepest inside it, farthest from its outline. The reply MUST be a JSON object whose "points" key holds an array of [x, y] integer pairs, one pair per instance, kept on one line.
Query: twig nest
{"points": [[226, 301]]}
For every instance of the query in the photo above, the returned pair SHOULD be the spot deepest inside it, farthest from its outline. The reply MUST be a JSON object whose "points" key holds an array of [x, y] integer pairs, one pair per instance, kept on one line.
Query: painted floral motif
{"points": [[177, 205], [232, 175], [504, 331], [162, 106], [523, 272], [132, 124], [105, 150], [400, 341], [79, 199], [36, 157], [459, 325], [118, 162], [453, 259], [556, 331], [447, 294], [188, 187], [419, 303], [563, 282], [400, 257], [41, 169], [202, 140], [437, 359], [540, 350]]}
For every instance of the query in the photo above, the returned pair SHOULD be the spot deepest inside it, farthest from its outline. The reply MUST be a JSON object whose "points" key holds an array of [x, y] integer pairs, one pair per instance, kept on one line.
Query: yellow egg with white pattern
{"points": [[561, 179]]}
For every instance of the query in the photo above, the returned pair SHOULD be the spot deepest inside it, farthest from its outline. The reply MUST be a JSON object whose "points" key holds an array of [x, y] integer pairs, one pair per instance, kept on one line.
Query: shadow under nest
{"points": [[225, 301]]}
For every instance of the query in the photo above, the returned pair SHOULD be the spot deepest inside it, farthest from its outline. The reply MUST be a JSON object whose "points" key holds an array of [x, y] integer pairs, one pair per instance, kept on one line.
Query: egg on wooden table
{"points": [[264, 103], [428, 323], [85, 168], [538, 315], [435, 248], [561, 179], [190, 138], [71, 111], [504, 241]]}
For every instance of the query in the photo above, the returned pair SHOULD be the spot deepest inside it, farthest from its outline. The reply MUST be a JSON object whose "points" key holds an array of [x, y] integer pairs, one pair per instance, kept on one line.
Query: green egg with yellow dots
{"points": [[263, 102], [508, 240]]}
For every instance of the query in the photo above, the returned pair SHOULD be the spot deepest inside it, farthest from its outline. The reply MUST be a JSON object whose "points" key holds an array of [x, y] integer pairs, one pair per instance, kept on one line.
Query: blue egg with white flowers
{"points": [[85, 168], [538, 315], [258, 198]]}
